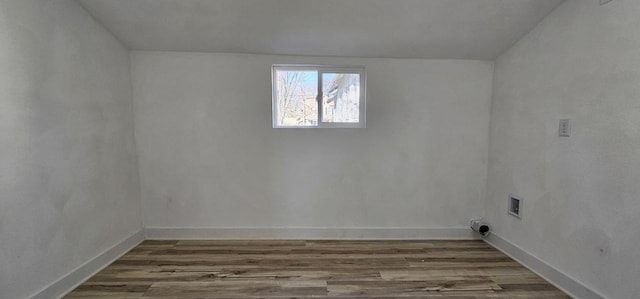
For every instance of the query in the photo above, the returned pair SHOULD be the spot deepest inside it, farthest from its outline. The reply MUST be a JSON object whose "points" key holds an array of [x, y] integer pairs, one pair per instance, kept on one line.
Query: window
{"points": [[308, 96]]}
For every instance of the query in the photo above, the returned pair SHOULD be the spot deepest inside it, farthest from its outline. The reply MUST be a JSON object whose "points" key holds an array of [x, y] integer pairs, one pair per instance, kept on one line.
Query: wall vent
{"points": [[515, 206]]}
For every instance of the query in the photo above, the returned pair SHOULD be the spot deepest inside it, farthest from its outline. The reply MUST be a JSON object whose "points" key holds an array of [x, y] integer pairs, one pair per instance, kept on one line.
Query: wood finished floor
{"points": [[315, 269]]}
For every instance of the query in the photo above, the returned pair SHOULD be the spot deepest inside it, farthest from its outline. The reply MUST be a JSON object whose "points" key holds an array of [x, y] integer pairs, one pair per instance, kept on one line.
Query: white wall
{"points": [[581, 193], [210, 159], [68, 183]]}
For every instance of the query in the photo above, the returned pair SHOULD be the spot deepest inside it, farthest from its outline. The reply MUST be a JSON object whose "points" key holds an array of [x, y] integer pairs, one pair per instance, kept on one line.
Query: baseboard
{"points": [[83, 272], [309, 233], [559, 279]]}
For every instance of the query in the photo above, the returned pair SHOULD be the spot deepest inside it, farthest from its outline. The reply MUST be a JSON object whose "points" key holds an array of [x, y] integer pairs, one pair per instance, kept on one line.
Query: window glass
{"points": [[318, 96], [341, 97], [296, 98]]}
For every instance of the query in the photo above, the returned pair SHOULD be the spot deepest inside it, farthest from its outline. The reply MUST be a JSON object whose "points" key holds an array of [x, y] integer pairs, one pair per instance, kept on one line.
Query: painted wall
{"points": [[581, 193], [68, 184], [209, 157]]}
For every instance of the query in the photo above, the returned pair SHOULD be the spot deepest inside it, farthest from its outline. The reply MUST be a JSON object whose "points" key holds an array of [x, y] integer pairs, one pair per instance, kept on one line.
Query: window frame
{"points": [[320, 69]]}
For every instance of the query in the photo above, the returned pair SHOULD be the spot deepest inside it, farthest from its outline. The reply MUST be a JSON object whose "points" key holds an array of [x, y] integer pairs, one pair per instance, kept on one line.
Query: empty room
{"points": [[227, 149]]}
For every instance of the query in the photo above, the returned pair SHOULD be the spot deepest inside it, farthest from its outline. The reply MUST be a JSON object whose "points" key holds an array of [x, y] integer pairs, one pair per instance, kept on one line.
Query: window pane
{"points": [[341, 97], [296, 98]]}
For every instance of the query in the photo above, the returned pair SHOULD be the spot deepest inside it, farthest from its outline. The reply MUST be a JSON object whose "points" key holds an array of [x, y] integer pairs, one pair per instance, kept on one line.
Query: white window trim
{"points": [[361, 70]]}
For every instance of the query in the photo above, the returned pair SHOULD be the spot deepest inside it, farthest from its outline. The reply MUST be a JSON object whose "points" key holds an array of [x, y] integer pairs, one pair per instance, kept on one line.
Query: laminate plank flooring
{"points": [[315, 269]]}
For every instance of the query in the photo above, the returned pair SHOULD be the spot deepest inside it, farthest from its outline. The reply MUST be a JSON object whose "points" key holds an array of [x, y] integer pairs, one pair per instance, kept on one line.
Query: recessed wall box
{"points": [[515, 206]]}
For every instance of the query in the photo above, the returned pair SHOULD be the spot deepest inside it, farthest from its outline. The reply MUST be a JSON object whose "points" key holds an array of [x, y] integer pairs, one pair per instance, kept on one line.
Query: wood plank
{"points": [[315, 269]]}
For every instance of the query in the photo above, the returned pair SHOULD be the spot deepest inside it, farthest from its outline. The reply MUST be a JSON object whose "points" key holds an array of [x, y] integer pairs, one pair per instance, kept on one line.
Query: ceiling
{"points": [[456, 29]]}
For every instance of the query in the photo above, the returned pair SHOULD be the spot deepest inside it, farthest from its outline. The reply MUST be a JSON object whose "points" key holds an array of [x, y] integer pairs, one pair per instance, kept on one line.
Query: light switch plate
{"points": [[564, 129]]}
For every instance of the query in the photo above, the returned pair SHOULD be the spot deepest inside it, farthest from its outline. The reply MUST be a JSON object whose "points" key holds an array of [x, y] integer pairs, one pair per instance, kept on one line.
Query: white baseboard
{"points": [[83, 272], [309, 233], [559, 279]]}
